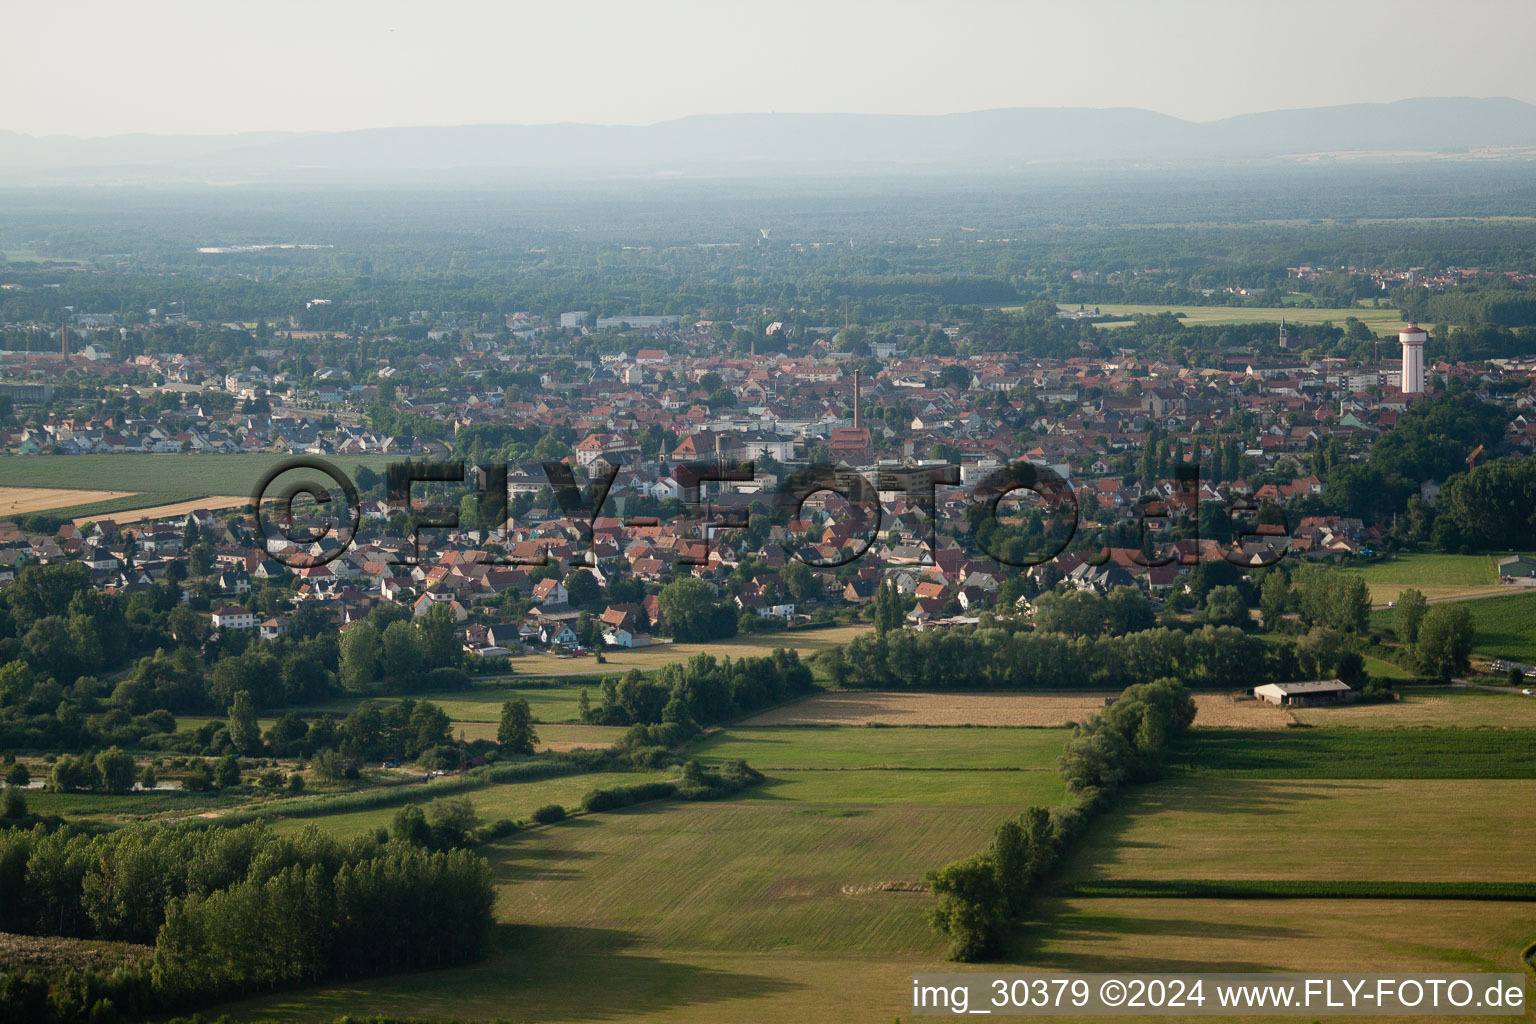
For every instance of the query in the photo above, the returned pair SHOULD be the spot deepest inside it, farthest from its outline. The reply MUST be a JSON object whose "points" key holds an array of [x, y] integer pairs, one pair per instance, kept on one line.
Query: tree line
{"points": [[979, 897], [702, 691], [231, 910], [1001, 654]]}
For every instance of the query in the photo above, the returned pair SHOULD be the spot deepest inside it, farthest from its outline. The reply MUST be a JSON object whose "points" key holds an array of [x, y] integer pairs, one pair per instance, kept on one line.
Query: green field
{"points": [[1426, 753], [481, 703], [793, 901], [1334, 829], [765, 907], [194, 474], [1382, 321], [769, 747], [1433, 575], [127, 503], [1262, 936], [1421, 570], [1505, 626], [109, 811], [515, 800]]}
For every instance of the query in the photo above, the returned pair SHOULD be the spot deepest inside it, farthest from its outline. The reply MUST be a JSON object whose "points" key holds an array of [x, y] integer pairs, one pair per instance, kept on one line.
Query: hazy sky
{"points": [[101, 67]]}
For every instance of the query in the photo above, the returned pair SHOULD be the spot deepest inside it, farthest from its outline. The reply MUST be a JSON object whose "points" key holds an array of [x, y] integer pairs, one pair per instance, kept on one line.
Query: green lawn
{"points": [[769, 747], [195, 474]]}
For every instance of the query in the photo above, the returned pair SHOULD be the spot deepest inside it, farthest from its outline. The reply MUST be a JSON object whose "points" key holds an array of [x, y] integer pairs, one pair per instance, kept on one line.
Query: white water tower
{"points": [[1412, 339]]}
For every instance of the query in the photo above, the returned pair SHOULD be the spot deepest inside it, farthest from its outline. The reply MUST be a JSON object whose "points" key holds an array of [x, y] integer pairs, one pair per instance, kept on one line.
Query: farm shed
{"points": [[1317, 691], [1517, 565]]}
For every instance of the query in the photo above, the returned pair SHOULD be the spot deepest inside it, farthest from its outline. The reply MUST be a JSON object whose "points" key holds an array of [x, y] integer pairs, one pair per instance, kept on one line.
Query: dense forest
{"points": [[213, 901]]}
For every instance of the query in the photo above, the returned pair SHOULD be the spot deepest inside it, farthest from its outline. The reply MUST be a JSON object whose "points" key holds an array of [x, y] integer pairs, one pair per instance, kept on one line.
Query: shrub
{"points": [[496, 830], [615, 797], [549, 814]]}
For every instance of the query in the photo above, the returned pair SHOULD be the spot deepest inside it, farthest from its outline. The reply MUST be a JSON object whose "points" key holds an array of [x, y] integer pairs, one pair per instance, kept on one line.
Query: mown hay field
{"points": [[1430, 707], [1264, 936], [854, 707], [21, 501], [213, 502], [1404, 830], [787, 747], [1381, 321], [515, 800], [772, 910], [773, 906]]}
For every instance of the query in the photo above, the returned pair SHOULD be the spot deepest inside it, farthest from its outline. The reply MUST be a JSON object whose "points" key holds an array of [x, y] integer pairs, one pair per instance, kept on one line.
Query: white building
{"points": [[1412, 341], [233, 617], [1316, 691]]}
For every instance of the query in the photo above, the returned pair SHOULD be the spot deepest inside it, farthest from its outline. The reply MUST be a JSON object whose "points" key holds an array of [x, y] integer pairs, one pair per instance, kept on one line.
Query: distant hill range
{"points": [[985, 141]]}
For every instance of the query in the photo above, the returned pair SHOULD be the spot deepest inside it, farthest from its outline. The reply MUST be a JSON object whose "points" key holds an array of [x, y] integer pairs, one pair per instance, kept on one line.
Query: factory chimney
{"points": [[855, 399]]}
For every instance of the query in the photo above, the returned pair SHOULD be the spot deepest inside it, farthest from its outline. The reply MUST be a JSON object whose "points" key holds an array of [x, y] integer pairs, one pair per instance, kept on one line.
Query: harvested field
{"points": [[1470, 708], [1002, 709], [856, 708], [21, 501], [1222, 711], [180, 508]]}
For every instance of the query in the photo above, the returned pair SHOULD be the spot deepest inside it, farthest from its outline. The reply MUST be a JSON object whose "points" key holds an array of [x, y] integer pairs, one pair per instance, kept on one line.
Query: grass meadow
{"points": [[1382, 321], [1423, 753], [1433, 575], [515, 800], [791, 901], [764, 907], [481, 703], [1391, 830], [767, 748], [1505, 627], [1429, 706]]}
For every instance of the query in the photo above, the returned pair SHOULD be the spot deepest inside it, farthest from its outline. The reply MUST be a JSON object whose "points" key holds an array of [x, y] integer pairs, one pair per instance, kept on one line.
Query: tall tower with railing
{"points": [[1412, 339]]}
